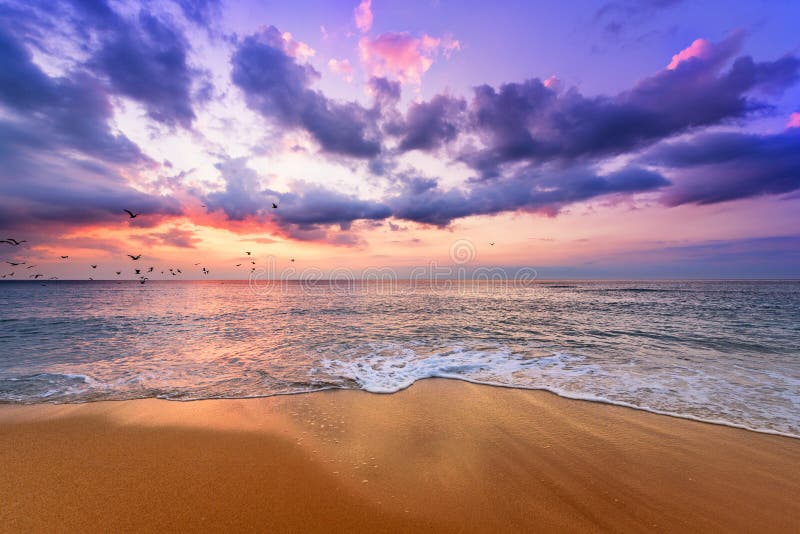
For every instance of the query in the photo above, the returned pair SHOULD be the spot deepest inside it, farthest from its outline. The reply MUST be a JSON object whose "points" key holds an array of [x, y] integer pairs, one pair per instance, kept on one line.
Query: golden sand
{"points": [[440, 456]]}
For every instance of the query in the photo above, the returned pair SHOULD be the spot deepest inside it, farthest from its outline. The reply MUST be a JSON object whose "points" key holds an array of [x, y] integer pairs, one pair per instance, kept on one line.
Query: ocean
{"points": [[726, 352]]}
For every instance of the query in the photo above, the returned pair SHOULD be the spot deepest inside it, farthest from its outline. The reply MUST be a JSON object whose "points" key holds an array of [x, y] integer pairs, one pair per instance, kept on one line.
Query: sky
{"points": [[618, 139]]}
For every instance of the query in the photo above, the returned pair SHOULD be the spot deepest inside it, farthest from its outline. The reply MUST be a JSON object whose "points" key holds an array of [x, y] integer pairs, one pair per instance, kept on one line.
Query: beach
{"points": [[443, 455]]}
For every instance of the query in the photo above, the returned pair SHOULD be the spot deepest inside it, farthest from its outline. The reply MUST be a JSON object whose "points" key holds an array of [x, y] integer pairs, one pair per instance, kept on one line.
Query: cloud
{"points": [[402, 56], [341, 67], [529, 122], [362, 15], [61, 165], [718, 167], [617, 16], [421, 200], [201, 12], [278, 87], [148, 63], [429, 125], [794, 121], [303, 213], [700, 48], [42, 110], [174, 237]]}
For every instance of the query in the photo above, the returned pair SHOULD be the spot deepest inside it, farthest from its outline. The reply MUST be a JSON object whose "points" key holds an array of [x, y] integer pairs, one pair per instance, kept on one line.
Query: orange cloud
{"points": [[700, 48], [403, 56]]}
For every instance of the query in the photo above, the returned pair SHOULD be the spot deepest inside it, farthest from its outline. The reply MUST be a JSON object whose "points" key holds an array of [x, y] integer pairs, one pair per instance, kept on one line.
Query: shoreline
{"points": [[443, 454], [595, 400]]}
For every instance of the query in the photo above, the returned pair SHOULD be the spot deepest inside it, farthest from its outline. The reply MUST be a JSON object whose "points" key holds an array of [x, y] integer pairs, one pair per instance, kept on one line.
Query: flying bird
{"points": [[15, 264], [248, 253], [12, 241], [292, 260], [143, 279], [134, 258], [491, 244], [274, 206], [64, 257], [132, 215], [93, 266], [30, 266], [53, 278], [119, 272], [238, 264], [150, 270], [138, 271], [35, 276], [196, 264]]}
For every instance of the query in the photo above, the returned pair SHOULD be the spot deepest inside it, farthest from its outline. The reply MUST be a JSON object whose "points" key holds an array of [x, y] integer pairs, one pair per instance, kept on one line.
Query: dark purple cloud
{"points": [[59, 158], [278, 87], [423, 201], [616, 16], [718, 167], [534, 123], [300, 212], [201, 12], [47, 113], [429, 125], [147, 61]]}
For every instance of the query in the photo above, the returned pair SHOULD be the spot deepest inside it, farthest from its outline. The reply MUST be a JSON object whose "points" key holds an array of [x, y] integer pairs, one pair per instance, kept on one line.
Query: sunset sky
{"points": [[651, 138]]}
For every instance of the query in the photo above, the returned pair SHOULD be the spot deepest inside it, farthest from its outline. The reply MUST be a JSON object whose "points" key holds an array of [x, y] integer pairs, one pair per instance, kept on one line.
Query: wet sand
{"points": [[442, 456]]}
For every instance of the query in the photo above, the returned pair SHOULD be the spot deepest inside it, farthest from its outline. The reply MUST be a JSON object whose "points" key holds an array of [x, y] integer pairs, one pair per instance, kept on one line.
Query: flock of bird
{"points": [[140, 273], [173, 271]]}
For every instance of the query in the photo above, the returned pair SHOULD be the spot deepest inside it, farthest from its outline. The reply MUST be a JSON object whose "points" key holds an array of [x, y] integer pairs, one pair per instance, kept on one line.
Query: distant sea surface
{"points": [[723, 352]]}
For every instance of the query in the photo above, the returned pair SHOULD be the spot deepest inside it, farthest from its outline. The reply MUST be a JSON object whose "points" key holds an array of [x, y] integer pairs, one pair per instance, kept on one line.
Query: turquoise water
{"points": [[725, 352]]}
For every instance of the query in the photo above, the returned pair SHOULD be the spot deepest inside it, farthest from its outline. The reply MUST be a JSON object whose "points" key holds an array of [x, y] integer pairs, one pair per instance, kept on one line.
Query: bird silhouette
{"points": [[248, 253], [138, 271], [196, 264], [64, 257], [53, 278], [491, 244], [131, 214], [35, 276], [238, 264], [134, 258], [274, 206], [12, 241], [13, 264], [143, 279], [119, 272], [93, 266], [292, 260], [150, 270], [30, 266]]}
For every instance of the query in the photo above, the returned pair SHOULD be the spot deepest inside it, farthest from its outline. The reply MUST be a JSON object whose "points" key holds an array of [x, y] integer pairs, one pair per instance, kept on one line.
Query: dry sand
{"points": [[440, 456]]}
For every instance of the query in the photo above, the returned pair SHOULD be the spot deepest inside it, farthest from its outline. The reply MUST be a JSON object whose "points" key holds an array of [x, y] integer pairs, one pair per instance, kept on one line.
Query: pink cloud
{"points": [[700, 48], [794, 120], [553, 82], [403, 56], [342, 68], [363, 15], [272, 36]]}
